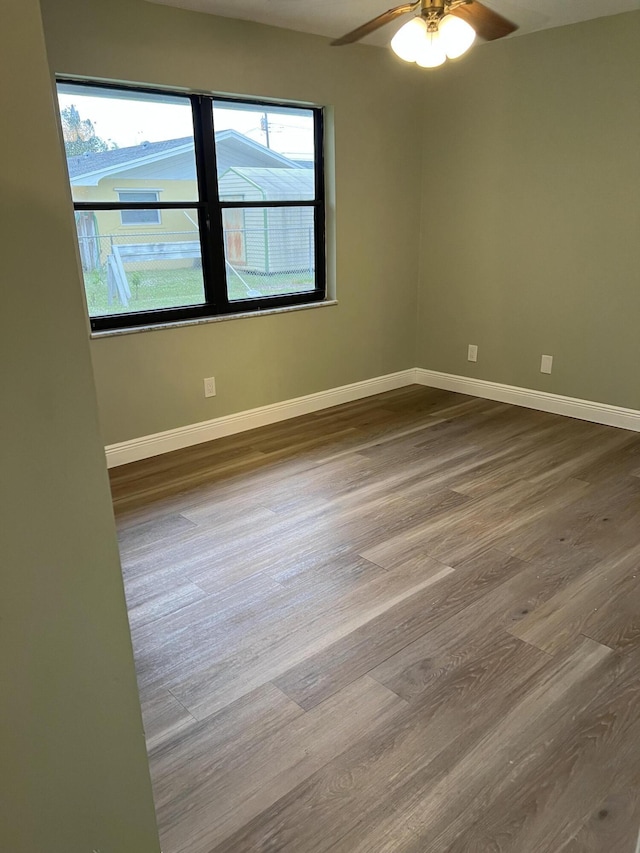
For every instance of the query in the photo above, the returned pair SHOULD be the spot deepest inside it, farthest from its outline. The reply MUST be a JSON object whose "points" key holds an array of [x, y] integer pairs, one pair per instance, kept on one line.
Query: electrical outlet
{"points": [[546, 364], [210, 387], [472, 353]]}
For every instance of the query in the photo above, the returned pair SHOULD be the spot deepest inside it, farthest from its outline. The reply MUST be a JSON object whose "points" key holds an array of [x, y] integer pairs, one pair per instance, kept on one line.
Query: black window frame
{"points": [[210, 208]]}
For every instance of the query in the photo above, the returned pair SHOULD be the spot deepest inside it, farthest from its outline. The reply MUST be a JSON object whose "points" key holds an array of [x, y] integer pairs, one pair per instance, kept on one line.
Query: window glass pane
{"points": [[264, 154], [128, 195], [140, 217], [128, 269], [268, 251], [115, 137]]}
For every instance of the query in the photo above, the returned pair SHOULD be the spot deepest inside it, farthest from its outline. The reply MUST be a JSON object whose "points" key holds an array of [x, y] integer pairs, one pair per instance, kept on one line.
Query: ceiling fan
{"points": [[440, 29]]}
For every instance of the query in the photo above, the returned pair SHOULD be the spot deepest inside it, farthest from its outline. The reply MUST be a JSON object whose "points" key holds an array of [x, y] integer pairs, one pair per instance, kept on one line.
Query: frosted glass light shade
{"points": [[456, 36], [431, 53], [409, 39]]}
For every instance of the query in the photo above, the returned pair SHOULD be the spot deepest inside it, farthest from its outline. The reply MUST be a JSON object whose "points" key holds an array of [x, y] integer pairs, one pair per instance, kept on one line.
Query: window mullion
{"points": [[213, 262]]}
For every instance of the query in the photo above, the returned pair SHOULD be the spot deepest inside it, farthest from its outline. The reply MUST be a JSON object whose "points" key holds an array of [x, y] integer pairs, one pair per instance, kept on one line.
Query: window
{"points": [[192, 206], [139, 217]]}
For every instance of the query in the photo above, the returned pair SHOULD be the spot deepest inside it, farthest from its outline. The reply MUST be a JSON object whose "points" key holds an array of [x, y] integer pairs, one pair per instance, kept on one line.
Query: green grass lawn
{"points": [[153, 289]]}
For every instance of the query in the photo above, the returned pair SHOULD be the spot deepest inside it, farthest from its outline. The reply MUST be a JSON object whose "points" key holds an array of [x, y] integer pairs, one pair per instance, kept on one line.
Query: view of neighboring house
{"points": [[259, 241], [268, 240]]}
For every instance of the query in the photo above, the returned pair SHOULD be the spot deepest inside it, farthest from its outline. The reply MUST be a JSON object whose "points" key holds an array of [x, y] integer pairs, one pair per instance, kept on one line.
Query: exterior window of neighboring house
{"points": [[191, 206], [139, 217]]}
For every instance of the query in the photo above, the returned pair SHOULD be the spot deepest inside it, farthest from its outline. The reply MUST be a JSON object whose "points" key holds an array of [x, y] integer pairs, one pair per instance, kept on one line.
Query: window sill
{"points": [[201, 321]]}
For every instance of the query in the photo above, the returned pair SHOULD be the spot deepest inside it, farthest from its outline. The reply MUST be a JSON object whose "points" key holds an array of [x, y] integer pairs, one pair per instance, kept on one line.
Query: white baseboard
{"points": [[585, 410], [175, 439]]}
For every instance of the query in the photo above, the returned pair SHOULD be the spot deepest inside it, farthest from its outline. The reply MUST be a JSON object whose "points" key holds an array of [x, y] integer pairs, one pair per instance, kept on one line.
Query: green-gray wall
{"points": [[524, 223], [531, 224], [153, 381], [73, 765]]}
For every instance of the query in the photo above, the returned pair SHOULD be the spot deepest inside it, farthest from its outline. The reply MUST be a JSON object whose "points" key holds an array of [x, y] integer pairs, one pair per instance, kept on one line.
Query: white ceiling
{"points": [[336, 17]]}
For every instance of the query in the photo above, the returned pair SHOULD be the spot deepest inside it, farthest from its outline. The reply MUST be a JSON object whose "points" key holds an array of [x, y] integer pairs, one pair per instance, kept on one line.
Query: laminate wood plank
{"points": [[484, 428], [153, 532], [301, 491], [259, 607], [490, 425], [231, 517], [320, 440], [575, 609], [411, 475], [196, 467], [200, 547], [400, 456], [151, 481], [617, 623], [224, 739], [431, 808], [288, 639], [537, 454], [145, 586], [215, 805], [613, 825], [551, 452], [324, 574], [268, 484], [157, 486], [417, 668], [163, 717], [440, 465], [478, 524], [557, 780], [343, 799], [406, 411], [172, 647], [600, 523], [319, 675], [414, 398], [616, 463], [327, 480], [230, 488], [156, 481], [344, 527], [163, 603]]}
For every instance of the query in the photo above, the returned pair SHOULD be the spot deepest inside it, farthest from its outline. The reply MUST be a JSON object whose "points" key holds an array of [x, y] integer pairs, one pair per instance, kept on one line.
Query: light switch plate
{"points": [[546, 364]]}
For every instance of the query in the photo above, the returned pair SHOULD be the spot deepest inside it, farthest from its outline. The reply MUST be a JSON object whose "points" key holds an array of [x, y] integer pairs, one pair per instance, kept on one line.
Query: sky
{"points": [[130, 121]]}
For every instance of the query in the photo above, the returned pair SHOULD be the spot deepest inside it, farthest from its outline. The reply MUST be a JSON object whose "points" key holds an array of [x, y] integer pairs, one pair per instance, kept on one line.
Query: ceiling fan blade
{"points": [[375, 24], [487, 23]]}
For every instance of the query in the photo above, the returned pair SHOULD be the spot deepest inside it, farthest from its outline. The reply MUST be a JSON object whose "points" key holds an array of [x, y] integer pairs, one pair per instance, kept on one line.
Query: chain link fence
{"points": [[142, 270]]}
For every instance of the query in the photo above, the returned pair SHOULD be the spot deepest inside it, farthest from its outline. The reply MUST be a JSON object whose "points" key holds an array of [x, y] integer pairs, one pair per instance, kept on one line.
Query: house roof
{"points": [[87, 164], [91, 168], [278, 184]]}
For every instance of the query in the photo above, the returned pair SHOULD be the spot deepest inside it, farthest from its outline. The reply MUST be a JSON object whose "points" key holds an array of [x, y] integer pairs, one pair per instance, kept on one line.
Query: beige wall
{"points": [[153, 381], [74, 775], [531, 223]]}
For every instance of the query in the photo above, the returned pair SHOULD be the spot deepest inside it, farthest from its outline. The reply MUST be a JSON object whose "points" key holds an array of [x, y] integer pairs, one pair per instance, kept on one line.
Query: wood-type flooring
{"points": [[409, 624]]}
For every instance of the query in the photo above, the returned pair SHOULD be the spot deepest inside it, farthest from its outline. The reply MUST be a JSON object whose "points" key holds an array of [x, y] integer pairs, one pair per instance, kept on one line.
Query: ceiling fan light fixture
{"points": [[456, 36], [410, 39], [432, 52]]}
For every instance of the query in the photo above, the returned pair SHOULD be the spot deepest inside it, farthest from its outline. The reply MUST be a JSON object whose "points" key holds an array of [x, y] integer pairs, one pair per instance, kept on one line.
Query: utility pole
{"points": [[264, 125]]}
